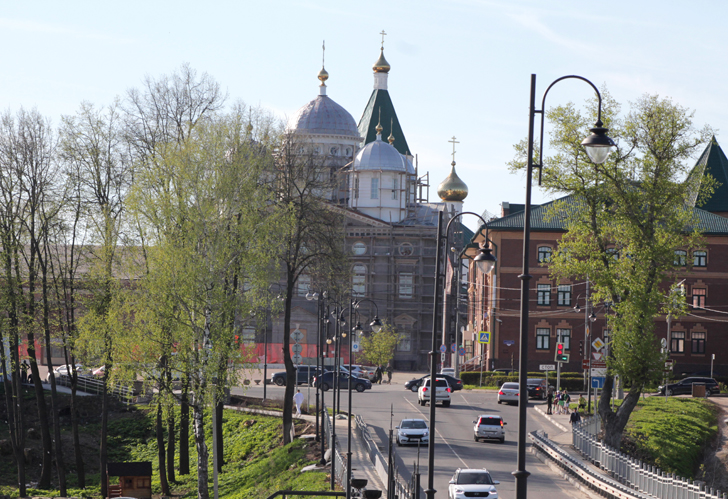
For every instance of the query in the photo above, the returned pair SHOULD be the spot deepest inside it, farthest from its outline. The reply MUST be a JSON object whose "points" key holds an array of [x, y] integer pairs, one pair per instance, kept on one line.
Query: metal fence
{"points": [[637, 475], [338, 463], [90, 384]]}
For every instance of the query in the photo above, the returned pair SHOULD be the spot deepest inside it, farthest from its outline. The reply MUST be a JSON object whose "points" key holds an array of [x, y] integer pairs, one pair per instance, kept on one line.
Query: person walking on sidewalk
{"points": [[558, 402], [390, 371], [549, 401], [298, 399], [582, 402], [566, 398], [575, 417]]}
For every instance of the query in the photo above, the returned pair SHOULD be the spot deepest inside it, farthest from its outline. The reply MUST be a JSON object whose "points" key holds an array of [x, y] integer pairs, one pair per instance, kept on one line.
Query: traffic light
{"points": [[560, 355], [581, 348]]}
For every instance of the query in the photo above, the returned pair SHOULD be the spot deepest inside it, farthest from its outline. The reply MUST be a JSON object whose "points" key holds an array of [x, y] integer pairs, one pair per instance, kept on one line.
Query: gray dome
{"points": [[379, 155], [324, 116]]}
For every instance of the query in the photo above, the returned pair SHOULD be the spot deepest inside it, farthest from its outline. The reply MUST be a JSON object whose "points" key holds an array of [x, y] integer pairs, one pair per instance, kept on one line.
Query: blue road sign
{"points": [[597, 382], [461, 352], [454, 347], [484, 337], [443, 349]]}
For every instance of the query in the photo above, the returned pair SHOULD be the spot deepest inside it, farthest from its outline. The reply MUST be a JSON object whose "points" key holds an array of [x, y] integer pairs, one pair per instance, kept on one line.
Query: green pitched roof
{"points": [[708, 223], [380, 101], [714, 162]]}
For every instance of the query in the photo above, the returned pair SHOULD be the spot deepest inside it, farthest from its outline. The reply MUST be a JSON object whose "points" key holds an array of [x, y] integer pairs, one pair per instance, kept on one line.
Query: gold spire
{"points": [[391, 131], [452, 188], [379, 124], [323, 75], [381, 66]]}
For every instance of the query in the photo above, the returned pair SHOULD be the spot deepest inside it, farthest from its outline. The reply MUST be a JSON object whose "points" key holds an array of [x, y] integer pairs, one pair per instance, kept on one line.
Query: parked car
{"points": [[508, 393], [442, 392], [472, 483], [686, 386], [413, 431], [66, 370], [326, 380], [450, 371], [537, 388], [414, 384], [506, 372], [304, 376], [489, 426]]}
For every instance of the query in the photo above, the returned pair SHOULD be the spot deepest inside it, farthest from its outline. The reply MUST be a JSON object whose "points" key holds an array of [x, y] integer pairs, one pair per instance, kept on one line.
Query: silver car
{"points": [[413, 431], [489, 426], [508, 393], [467, 483]]}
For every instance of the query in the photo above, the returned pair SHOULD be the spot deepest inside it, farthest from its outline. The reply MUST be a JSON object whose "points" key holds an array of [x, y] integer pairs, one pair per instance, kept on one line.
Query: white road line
{"points": [[437, 431]]}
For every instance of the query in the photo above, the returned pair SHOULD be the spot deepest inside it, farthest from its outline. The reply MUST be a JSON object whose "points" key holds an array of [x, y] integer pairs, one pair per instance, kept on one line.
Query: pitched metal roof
{"points": [[380, 101], [714, 161]]}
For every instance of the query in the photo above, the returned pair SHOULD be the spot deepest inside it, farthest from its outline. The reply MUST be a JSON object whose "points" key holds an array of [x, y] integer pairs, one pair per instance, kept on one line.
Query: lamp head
{"points": [[598, 145], [577, 308], [376, 324], [592, 317], [485, 259]]}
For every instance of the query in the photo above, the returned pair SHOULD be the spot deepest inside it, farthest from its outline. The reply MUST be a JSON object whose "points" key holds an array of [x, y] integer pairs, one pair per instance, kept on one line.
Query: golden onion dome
{"points": [[452, 188], [323, 76], [381, 66]]}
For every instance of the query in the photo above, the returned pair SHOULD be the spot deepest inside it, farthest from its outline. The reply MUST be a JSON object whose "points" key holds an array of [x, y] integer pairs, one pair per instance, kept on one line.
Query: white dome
{"points": [[324, 116], [379, 155]]}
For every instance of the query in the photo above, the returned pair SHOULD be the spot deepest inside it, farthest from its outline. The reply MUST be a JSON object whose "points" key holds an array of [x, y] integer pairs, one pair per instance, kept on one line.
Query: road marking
{"points": [[417, 408]]}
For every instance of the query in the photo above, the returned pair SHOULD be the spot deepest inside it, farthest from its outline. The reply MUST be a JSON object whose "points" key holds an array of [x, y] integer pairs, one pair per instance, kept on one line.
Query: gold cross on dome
{"points": [[323, 56], [453, 141], [383, 33]]}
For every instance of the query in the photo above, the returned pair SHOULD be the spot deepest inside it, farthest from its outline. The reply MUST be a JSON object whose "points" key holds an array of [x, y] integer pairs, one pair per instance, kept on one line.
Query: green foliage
{"points": [[378, 348], [672, 433]]}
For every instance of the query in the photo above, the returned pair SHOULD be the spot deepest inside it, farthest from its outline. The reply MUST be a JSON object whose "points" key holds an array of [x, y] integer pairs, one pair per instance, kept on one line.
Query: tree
{"points": [[378, 348], [625, 219]]}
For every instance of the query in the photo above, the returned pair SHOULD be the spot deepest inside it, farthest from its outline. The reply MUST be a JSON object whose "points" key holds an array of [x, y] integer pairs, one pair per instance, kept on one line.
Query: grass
{"points": [[256, 464]]}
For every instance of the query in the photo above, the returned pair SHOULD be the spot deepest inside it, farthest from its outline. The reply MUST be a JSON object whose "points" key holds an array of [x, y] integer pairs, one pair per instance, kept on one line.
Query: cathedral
{"points": [[390, 225]]}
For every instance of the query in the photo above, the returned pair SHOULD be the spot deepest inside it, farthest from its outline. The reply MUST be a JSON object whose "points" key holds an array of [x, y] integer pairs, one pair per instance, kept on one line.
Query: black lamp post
{"points": [[597, 146], [485, 262], [319, 298]]}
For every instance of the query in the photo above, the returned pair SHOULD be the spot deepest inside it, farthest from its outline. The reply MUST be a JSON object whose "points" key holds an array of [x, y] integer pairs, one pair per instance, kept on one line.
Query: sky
{"points": [[459, 68]]}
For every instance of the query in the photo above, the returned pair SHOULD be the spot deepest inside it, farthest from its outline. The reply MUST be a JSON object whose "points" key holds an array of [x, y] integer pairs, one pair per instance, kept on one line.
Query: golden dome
{"points": [[452, 188], [381, 66], [323, 76]]}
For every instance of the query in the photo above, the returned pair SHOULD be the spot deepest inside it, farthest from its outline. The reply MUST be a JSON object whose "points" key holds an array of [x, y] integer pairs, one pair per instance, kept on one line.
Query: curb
{"points": [[547, 416]]}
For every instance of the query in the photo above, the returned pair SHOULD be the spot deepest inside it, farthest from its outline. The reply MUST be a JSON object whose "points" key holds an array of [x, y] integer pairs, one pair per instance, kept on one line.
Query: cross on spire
{"points": [[323, 55], [383, 33], [453, 141]]}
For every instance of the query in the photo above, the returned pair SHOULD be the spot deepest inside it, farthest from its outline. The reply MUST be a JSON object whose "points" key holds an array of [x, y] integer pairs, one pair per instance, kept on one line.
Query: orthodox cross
{"points": [[323, 55], [453, 141], [382, 33]]}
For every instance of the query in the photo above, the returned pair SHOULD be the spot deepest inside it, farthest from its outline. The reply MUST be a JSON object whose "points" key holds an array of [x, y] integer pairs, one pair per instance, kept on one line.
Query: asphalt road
{"points": [[386, 405]]}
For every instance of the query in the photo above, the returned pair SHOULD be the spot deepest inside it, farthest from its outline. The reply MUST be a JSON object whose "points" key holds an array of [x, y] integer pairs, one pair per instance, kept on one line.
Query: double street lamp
{"points": [[598, 146], [485, 262]]}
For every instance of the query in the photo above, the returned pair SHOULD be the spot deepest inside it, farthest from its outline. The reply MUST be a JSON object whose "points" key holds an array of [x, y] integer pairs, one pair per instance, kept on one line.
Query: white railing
{"points": [[633, 473], [90, 384], [338, 464]]}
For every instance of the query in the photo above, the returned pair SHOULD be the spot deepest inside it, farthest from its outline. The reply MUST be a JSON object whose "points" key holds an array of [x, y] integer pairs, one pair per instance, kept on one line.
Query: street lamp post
{"points": [[598, 146], [319, 298], [485, 262]]}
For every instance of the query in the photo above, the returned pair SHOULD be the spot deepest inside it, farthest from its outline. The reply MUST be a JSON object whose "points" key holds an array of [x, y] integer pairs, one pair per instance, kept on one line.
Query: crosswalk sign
{"points": [[484, 337]]}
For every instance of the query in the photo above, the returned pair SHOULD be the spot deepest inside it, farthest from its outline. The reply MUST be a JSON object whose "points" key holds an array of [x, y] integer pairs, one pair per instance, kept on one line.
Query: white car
{"points": [[413, 431], [472, 483], [66, 370], [508, 393], [489, 426], [449, 371], [442, 392]]}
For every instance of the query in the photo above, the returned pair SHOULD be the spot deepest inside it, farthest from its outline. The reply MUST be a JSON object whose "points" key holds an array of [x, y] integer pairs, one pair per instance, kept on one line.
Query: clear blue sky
{"points": [[459, 68]]}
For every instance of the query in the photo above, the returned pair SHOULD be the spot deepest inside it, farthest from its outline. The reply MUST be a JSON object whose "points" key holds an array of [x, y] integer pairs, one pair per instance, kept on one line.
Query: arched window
{"points": [[359, 248], [681, 258], [700, 258], [359, 280]]}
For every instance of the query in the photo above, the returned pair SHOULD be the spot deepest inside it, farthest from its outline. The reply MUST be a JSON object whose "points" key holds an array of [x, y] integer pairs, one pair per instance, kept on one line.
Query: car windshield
{"points": [[474, 478], [416, 424], [441, 383], [490, 421], [510, 386]]}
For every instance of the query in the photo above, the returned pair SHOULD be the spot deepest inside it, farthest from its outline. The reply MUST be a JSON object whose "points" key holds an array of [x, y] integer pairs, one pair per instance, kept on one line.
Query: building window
{"points": [[348, 151], [613, 252], [248, 335], [700, 258], [359, 248], [395, 187], [359, 281], [699, 297], [698, 341], [303, 285], [544, 294], [564, 295], [564, 336], [375, 188], [542, 339], [406, 284], [681, 258], [544, 254], [406, 249], [405, 342], [334, 151], [677, 343]]}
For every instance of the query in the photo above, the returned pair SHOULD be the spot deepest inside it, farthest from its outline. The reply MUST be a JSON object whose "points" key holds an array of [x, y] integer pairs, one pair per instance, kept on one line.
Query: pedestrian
{"points": [[582, 402], [549, 401], [575, 416], [298, 399], [567, 400], [390, 371], [559, 403], [24, 371]]}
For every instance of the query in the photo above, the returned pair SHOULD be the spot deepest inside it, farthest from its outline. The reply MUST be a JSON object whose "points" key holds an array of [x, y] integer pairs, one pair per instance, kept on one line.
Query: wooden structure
{"points": [[135, 479]]}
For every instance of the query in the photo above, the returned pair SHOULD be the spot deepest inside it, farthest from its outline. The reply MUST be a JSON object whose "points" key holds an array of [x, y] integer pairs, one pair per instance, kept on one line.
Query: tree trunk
{"points": [[184, 428], [44, 482], [14, 405], [104, 430], [198, 410], [170, 446], [160, 451], [290, 368], [614, 422], [218, 414], [80, 468]]}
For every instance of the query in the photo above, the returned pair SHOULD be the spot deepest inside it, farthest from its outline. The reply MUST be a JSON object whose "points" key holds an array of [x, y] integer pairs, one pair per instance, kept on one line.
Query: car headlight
{"points": [[459, 490], [425, 433]]}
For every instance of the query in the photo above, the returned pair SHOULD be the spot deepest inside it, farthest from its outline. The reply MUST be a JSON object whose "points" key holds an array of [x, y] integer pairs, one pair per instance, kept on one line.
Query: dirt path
{"points": [[716, 465]]}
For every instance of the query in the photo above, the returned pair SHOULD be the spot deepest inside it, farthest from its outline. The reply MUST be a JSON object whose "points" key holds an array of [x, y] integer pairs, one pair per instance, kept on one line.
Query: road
{"points": [[455, 447]]}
